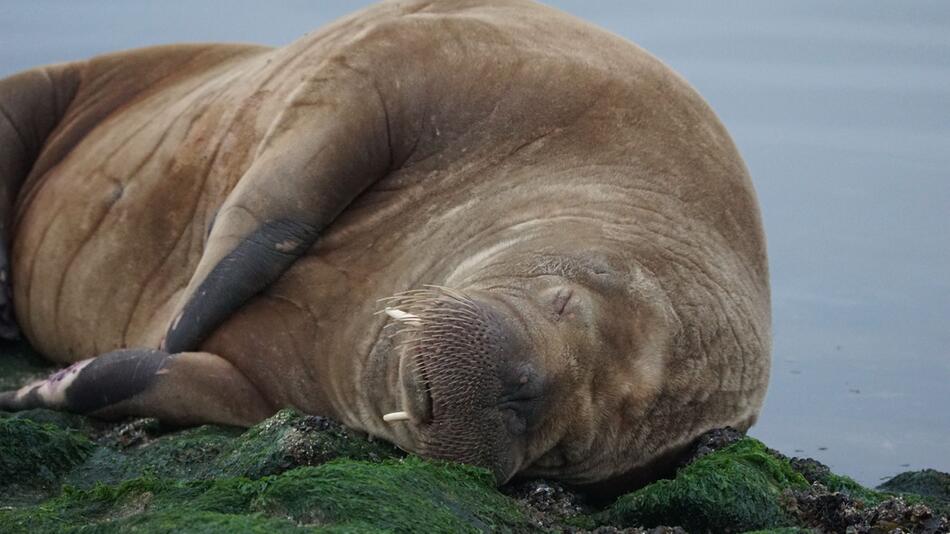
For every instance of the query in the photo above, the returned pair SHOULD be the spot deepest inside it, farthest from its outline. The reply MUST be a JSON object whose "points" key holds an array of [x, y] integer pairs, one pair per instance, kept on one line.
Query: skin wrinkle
{"points": [[89, 236], [30, 299], [302, 356], [4, 114], [91, 233]]}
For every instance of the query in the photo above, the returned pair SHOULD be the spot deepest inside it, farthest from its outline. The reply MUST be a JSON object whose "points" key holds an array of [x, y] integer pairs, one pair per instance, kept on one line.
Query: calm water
{"points": [[842, 113]]}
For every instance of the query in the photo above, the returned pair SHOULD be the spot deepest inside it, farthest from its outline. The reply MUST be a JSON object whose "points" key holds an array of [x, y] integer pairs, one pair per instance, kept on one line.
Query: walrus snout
{"points": [[466, 378]]}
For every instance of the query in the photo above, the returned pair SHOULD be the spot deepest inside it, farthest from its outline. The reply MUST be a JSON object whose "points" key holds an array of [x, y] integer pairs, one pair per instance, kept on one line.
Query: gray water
{"points": [[842, 112]]}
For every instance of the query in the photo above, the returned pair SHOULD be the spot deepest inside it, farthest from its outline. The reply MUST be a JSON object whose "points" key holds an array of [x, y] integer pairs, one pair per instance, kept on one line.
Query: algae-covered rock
{"points": [[410, 495], [284, 441], [735, 489], [928, 487], [43, 450], [289, 439], [293, 472], [34, 457], [928, 483]]}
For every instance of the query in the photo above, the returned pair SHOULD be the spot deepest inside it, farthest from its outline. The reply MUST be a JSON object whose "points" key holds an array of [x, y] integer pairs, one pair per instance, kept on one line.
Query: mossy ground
{"points": [[736, 489], [398, 495], [67, 473]]}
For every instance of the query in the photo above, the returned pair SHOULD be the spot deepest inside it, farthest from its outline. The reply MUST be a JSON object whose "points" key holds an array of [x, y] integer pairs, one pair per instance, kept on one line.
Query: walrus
{"points": [[485, 231]]}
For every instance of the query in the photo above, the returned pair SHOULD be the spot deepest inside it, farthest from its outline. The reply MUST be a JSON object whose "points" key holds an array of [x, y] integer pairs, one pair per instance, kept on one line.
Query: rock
{"points": [[821, 509], [734, 489], [548, 504], [282, 442], [712, 441], [295, 472], [836, 512], [812, 470], [35, 457], [289, 439], [347, 495], [928, 483]]}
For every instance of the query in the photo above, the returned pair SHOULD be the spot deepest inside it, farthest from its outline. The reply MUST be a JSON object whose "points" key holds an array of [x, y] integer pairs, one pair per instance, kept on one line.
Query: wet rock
{"points": [[812, 470], [836, 512], [134, 433], [734, 489], [548, 504], [289, 439], [344, 495], [35, 457], [928, 482], [296, 472], [895, 513], [712, 441], [818, 508]]}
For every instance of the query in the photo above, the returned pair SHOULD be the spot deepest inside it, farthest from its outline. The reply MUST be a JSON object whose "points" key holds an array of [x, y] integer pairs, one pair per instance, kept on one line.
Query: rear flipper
{"points": [[183, 389]]}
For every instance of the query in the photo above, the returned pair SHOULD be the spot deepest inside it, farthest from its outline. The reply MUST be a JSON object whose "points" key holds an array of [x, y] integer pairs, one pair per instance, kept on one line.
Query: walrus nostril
{"points": [[523, 383]]}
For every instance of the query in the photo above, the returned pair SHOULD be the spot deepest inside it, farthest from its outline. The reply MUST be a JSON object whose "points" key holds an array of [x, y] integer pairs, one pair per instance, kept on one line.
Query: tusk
{"points": [[400, 315], [396, 416]]}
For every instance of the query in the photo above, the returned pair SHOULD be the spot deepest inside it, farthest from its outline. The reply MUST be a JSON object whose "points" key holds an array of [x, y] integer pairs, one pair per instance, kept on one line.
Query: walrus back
{"points": [[56, 198], [32, 103]]}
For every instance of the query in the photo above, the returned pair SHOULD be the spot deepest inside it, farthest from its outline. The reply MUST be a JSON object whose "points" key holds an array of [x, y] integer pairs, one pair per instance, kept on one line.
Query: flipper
{"points": [[328, 146], [184, 389]]}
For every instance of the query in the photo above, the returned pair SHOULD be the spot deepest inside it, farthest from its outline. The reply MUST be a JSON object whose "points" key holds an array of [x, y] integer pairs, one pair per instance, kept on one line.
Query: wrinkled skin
{"points": [[568, 238]]}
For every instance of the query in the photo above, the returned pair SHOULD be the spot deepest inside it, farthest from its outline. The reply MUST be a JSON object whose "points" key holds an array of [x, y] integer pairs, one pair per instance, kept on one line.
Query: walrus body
{"points": [[579, 239]]}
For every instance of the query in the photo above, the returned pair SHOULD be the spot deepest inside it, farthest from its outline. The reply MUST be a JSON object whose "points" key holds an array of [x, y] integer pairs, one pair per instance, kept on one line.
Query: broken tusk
{"points": [[396, 416], [400, 315]]}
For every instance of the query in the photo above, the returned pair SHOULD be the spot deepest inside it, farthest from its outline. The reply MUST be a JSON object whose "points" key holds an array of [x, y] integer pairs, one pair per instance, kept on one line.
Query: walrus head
{"points": [[540, 366]]}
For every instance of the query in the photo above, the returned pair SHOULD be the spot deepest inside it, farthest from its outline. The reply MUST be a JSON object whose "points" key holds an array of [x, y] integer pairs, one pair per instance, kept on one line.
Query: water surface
{"points": [[842, 112]]}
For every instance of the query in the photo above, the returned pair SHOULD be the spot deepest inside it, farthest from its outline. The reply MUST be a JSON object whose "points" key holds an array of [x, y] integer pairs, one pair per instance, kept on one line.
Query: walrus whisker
{"points": [[396, 416], [400, 315]]}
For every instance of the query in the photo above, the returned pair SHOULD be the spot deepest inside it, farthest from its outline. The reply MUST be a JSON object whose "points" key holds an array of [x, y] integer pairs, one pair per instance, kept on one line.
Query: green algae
{"points": [[927, 483], [735, 489], [920, 487], [298, 473], [217, 479], [345, 495], [284, 441], [289, 439], [62, 420], [35, 457], [928, 486], [185, 455], [849, 487], [394, 495]]}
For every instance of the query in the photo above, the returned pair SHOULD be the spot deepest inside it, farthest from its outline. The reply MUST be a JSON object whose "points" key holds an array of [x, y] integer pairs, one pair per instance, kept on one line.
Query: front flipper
{"points": [[328, 146], [184, 389]]}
